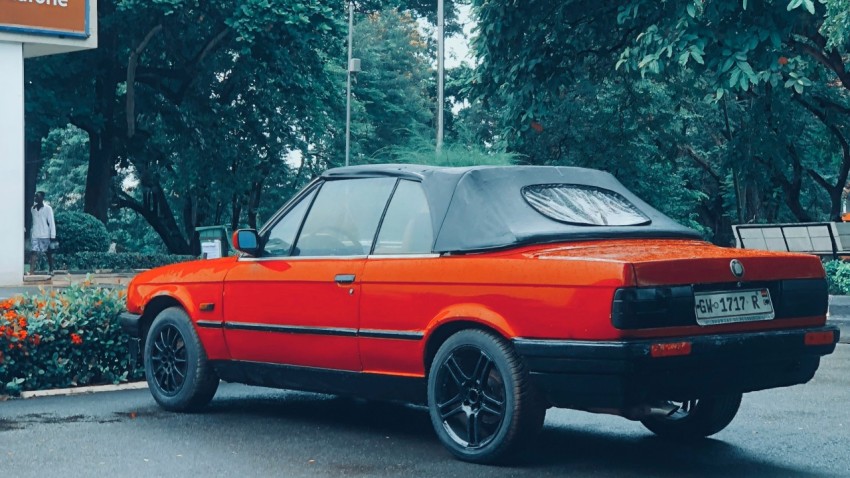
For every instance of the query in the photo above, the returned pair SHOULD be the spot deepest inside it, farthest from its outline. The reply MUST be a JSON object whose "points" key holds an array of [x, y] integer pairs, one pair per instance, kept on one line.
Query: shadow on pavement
{"points": [[557, 449]]}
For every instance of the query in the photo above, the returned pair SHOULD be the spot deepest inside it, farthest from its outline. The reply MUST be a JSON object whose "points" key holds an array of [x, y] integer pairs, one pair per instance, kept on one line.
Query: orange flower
{"points": [[76, 339], [22, 334], [782, 61], [35, 339]]}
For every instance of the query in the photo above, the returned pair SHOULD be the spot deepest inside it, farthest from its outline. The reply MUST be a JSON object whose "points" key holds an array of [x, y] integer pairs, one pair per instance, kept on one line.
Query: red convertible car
{"points": [[488, 294]]}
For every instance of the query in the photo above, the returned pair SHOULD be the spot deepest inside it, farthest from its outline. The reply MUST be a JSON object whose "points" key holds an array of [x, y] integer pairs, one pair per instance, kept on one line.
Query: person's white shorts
{"points": [[40, 244]]}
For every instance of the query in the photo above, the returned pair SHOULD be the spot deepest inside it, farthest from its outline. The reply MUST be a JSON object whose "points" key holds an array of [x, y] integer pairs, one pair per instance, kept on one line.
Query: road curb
{"points": [[839, 308], [84, 390]]}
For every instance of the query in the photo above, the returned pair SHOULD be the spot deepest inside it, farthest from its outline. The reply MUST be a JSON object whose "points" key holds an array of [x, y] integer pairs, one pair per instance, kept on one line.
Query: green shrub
{"points": [[78, 232], [838, 277], [64, 338], [89, 261]]}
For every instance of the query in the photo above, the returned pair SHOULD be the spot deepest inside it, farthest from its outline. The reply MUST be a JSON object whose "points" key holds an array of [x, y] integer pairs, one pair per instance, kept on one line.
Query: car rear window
{"points": [[583, 205]]}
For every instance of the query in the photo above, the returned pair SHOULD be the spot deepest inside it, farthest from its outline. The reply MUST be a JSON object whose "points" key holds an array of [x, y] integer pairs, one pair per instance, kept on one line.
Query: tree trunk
{"points": [[793, 188], [102, 141], [235, 212], [158, 214], [98, 178]]}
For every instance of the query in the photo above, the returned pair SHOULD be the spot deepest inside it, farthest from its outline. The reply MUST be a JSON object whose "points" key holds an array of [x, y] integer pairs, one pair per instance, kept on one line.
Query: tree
{"points": [[200, 101], [795, 47], [393, 86], [63, 175], [698, 147]]}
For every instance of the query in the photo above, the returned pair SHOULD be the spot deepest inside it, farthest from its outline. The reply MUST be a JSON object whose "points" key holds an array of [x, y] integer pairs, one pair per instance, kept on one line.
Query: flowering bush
{"points": [[63, 338]]}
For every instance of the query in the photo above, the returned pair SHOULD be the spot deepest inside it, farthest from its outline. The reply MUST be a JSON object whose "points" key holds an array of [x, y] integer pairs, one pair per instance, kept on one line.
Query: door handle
{"points": [[344, 279]]}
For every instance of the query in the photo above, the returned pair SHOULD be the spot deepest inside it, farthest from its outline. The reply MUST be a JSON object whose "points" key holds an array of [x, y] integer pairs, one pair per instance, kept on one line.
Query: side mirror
{"points": [[247, 241]]}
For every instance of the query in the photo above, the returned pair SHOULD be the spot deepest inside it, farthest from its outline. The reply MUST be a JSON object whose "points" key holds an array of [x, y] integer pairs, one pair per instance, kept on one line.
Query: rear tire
{"points": [[481, 402], [696, 418], [179, 376]]}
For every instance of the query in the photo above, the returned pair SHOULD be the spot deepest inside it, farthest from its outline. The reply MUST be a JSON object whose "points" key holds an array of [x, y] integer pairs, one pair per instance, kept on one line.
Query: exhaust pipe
{"points": [[660, 409], [663, 409]]}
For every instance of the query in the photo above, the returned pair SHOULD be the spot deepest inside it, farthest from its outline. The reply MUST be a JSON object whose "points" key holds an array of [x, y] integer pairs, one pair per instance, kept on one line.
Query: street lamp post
{"points": [[348, 87], [440, 72]]}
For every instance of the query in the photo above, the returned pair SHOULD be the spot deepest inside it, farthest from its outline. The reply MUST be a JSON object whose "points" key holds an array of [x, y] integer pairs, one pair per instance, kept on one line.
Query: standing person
{"points": [[42, 232]]}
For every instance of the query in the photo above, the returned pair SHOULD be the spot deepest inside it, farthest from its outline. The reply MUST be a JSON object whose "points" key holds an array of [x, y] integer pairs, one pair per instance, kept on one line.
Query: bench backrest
{"points": [[820, 238]]}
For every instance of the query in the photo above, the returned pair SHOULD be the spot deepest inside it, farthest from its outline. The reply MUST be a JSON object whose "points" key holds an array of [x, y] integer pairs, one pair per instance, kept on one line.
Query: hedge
{"points": [[64, 338], [90, 261], [78, 232], [838, 277]]}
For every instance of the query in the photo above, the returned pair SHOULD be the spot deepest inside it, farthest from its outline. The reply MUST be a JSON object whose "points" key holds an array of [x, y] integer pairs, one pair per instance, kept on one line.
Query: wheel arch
{"points": [[438, 336], [154, 306]]}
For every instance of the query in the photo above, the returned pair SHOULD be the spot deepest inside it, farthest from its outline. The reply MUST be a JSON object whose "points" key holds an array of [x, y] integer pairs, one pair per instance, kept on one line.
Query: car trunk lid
{"points": [[668, 262]]}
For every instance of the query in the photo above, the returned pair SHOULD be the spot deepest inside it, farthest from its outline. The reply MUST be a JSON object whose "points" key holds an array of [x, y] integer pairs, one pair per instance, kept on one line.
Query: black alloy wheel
{"points": [[170, 365], [482, 403], [179, 376], [470, 397]]}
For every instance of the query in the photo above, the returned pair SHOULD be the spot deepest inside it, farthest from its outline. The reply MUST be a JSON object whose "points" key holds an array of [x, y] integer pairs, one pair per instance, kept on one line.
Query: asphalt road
{"points": [[799, 431]]}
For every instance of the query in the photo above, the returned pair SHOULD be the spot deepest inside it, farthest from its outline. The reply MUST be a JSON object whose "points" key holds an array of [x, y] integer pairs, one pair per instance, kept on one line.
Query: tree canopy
{"points": [[196, 113], [733, 110]]}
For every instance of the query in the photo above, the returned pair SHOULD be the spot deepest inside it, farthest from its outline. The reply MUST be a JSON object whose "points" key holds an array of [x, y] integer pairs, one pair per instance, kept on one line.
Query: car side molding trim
{"points": [[291, 329], [301, 329], [209, 324], [389, 334]]}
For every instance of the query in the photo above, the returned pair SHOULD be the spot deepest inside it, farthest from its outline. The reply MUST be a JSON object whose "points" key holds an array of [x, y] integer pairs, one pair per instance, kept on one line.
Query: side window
{"points": [[279, 239], [407, 227], [344, 217]]}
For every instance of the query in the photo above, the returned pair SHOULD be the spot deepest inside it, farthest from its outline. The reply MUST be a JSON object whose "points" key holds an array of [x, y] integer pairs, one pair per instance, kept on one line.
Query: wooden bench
{"points": [[818, 238]]}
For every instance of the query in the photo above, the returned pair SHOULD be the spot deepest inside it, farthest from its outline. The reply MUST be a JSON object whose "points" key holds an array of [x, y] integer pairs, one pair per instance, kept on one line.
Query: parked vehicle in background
{"points": [[489, 294]]}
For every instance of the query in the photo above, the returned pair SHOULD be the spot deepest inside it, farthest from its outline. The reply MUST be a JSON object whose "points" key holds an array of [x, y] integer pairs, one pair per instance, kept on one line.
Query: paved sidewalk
{"points": [[33, 283]]}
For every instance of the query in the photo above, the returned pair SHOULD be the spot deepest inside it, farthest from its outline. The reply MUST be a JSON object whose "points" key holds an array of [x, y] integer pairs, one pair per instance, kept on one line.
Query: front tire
{"points": [[480, 399], [179, 376], [696, 418]]}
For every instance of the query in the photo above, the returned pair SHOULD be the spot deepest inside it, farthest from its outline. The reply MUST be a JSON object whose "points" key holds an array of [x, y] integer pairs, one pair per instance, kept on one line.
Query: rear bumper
{"points": [[622, 374]]}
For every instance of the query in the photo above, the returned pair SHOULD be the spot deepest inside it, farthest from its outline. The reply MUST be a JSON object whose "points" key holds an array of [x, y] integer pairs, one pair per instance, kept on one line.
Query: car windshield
{"points": [[583, 205]]}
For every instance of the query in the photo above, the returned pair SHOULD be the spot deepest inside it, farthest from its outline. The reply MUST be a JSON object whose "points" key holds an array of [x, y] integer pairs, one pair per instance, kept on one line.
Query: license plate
{"points": [[714, 308]]}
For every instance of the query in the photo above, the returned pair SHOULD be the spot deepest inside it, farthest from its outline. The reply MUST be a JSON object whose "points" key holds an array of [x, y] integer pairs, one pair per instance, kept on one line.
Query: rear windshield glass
{"points": [[583, 205]]}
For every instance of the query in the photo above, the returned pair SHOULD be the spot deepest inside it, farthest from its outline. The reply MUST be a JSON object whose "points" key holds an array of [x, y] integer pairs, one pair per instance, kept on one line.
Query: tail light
{"points": [[648, 307]]}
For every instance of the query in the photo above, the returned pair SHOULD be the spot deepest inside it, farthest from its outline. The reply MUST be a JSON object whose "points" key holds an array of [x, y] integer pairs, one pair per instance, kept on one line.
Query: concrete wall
{"points": [[11, 163]]}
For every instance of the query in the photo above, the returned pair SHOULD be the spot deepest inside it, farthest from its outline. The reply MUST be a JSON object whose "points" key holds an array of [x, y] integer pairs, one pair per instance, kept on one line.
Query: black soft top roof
{"points": [[482, 207]]}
